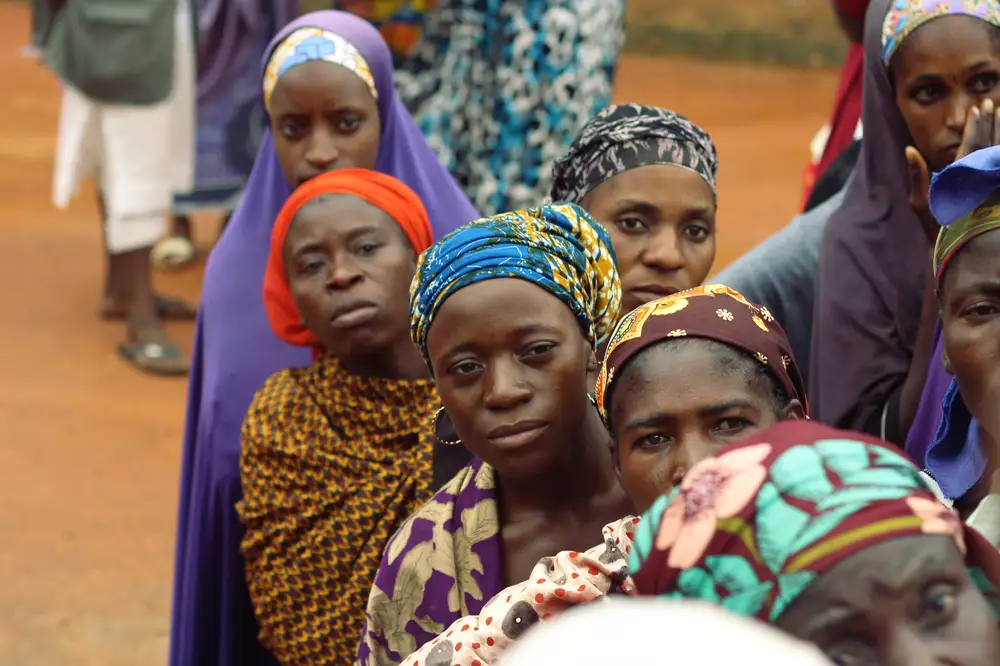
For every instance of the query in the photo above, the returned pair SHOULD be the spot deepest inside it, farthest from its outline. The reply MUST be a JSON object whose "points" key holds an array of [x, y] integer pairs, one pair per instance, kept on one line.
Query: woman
{"points": [[683, 377], [336, 455], [328, 91], [835, 539], [963, 455], [507, 312], [929, 67], [693, 629], [125, 84], [687, 375], [232, 37], [844, 128], [780, 272], [501, 88], [648, 175]]}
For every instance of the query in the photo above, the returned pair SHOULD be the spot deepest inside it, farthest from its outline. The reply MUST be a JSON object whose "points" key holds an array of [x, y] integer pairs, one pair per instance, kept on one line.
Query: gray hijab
{"points": [[873, 261]]}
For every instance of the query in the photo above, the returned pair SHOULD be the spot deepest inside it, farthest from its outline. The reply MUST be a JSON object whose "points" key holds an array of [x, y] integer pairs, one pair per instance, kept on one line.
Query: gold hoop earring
{"points": [[437, 421]]}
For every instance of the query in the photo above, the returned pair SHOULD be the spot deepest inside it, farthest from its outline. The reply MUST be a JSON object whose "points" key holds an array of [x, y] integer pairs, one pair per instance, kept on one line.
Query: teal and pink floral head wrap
{"points": [[753, 527], [905, 16]]}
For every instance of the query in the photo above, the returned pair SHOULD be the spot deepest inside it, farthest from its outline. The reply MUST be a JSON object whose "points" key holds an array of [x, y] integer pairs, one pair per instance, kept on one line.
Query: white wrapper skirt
{"points": [[139, 156]]}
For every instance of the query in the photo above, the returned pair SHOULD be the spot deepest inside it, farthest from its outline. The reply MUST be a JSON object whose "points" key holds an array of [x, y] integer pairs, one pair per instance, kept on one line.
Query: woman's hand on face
{"points": [[920, 185], [982, 129]]}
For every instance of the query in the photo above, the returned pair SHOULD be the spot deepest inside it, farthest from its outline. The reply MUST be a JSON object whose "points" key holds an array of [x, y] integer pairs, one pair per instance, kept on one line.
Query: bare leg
{"points": [[148, 346], [114, 302], [182, 227], [129, 287]]}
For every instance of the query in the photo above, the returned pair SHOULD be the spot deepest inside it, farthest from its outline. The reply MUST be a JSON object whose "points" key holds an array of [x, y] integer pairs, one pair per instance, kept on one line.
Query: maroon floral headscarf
{"points": [[715, 312]]}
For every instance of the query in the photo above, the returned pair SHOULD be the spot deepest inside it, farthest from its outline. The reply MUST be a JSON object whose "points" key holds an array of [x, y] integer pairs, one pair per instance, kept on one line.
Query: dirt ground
{"points": [[90, 450]]}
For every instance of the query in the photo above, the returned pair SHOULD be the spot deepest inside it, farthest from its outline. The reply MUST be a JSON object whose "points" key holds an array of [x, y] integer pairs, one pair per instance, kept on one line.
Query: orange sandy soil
{"points": [[90, 449]]}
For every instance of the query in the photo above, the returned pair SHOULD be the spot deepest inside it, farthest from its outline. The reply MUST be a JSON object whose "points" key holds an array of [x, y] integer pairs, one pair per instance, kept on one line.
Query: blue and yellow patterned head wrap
{"points": [[561, 248], [308, 44], [905, 16]]}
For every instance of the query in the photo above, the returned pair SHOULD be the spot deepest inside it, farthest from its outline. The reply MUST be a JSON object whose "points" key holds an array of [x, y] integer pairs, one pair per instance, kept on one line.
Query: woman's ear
{"points": [[593, 365], [793, 411]]}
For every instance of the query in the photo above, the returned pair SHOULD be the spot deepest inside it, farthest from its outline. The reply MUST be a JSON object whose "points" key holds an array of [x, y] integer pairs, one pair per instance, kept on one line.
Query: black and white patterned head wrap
{"points": [[626, 136]]}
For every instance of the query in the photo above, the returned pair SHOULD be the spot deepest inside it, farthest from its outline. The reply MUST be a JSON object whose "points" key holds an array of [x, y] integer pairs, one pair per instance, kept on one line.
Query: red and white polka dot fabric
{"points": [[557, 583]]}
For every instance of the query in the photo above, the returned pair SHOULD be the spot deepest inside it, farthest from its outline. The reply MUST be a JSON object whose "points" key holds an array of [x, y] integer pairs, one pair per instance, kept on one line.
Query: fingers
{"points": [[970, 135], [984, 132], [981, 128], [919, 196], [919, 174]]}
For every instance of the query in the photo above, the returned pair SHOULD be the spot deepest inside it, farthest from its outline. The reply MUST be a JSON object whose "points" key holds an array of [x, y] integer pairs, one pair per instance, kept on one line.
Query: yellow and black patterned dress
{"points": [[331, 465]]}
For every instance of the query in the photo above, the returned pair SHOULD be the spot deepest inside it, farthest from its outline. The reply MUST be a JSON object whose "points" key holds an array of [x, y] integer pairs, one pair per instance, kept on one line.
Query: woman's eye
{"points": [[732, 425], [310, 266], [540, 348], [464, 368], [366, 249], [696, 232], [292, 130], [653, 441], [983, 83], [981, 310], [348, 124], [843, 658], [939, 604], [927, 94], [631, 225]]}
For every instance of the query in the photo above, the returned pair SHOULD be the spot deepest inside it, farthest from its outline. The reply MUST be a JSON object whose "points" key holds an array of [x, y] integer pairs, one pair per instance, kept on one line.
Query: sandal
{"points": [[155, 359], [173, 253], [168, 309]]}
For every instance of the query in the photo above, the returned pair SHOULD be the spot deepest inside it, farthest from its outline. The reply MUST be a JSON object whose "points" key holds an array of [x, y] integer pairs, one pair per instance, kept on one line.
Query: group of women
{"points": [[415, 432]]}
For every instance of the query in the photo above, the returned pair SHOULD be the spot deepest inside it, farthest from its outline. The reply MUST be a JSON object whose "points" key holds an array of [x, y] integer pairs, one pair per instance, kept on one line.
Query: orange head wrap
{"points": [[384, 192]]}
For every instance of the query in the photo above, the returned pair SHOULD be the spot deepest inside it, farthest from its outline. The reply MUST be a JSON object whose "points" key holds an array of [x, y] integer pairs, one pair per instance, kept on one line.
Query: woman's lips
{"points": [[354, 315], [647, 293], [518, 434]]}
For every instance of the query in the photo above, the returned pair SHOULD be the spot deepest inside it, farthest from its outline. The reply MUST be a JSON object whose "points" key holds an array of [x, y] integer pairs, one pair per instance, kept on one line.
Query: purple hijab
{"points": [[873, 263], [235, 351]]}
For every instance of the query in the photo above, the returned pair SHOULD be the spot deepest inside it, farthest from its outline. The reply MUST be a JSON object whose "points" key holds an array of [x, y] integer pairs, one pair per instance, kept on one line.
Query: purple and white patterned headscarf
{"points": [[905, 16], [627, 136]]}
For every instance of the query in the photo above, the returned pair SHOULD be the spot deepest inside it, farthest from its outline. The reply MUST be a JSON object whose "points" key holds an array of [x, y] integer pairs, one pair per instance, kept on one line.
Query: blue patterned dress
{"points": [[501, 87]]}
